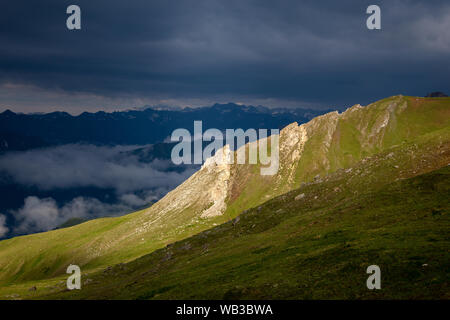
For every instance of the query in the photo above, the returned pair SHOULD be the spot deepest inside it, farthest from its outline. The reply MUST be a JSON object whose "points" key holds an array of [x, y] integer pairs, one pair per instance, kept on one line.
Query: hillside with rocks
{"points": [[338, 160]]}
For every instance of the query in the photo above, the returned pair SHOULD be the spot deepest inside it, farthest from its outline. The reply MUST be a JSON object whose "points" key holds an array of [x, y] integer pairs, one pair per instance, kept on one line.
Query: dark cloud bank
{"points": [[297, 53]]}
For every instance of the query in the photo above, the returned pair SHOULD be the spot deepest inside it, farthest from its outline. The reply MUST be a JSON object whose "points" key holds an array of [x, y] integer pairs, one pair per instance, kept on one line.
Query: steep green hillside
{"points": [[335, 141], [215, 194], [316, 242]]}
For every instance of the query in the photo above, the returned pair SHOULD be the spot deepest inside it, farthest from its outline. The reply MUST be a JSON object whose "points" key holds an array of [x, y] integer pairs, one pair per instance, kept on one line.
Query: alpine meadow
{"points": [[366, 186]]}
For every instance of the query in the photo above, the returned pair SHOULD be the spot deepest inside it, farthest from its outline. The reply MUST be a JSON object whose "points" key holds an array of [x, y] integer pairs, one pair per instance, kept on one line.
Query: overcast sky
{"points": [[275, 53]]}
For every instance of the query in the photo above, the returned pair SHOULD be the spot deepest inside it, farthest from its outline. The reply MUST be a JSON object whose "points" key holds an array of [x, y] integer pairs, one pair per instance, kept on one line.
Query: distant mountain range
{"points": [[135, 127]]}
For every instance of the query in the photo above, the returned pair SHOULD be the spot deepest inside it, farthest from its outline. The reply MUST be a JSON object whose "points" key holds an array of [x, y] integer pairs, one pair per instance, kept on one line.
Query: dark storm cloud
{"points": [[318, 52]]}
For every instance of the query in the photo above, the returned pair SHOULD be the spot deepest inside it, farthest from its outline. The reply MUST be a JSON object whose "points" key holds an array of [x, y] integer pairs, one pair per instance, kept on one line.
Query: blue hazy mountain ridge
{"points": [[136, 127]]}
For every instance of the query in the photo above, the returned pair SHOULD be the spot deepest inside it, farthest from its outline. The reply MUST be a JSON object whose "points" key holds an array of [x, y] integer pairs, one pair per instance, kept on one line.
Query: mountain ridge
{"points": [[308, 153], [207, 265], [313, 242], [139, 127]]}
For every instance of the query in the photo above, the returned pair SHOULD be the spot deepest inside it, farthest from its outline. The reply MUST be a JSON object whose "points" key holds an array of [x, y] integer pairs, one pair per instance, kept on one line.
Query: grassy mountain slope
{"points": [[335, 141], [391, 209], [216, 194]]}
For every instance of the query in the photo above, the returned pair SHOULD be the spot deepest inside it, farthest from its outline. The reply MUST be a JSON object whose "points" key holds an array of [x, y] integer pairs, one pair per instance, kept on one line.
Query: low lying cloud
{"points": [[38, 215], [3, 229], [136, 183], [72, 166], [44, 214]]}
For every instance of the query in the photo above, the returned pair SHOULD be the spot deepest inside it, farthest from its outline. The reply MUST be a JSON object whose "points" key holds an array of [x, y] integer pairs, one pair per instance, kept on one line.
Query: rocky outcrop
{"points": [[436, 94], [219, 165]]}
